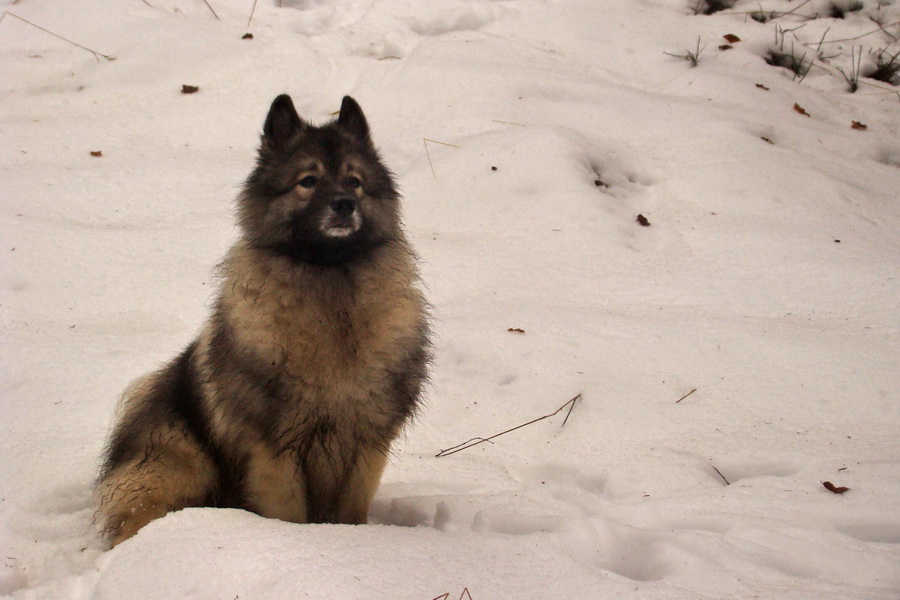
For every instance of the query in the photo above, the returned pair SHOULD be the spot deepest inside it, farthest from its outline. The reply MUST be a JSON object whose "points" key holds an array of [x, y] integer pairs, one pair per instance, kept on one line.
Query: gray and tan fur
{"points": [[312, 361]]}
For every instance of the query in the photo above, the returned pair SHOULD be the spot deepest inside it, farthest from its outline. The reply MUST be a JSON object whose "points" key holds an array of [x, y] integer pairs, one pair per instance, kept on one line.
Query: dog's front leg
{"points": [[274, 485], [354, 501]]}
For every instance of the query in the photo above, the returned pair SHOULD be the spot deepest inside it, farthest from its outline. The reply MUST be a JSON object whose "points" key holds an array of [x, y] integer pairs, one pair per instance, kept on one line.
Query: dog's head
{"points": [[320, 195]]}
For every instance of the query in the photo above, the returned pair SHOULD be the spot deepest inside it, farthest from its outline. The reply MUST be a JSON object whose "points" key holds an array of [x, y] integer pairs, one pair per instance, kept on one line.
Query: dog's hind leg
{"points": [[172, 472], [155, 462]]}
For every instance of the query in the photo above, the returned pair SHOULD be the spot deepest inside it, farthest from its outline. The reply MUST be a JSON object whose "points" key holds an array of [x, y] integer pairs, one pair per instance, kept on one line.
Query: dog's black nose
{"points": [[343, 207]]}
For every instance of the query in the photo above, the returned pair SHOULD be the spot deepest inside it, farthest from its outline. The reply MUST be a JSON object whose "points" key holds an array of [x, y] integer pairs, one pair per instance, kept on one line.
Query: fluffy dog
{"points": [[313, 358]]}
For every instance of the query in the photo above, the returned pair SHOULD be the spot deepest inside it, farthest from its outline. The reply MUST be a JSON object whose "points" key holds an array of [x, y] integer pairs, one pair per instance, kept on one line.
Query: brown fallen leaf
{"points": [[96, 153], [189, 89], [858, 125], [765, 139], [515, 330], [833, 488], [247, 36], [762, 87], [800, 110], [643, 221], [726, 47], [600, 183], [731, 38]]}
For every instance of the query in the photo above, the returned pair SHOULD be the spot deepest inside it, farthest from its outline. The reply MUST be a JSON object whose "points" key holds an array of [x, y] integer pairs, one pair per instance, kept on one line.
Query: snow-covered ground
{"points": [[527, 135]]}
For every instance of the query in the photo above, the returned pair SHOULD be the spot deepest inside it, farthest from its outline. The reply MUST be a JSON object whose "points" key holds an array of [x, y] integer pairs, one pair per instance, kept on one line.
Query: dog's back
{"points": [[312, 361]]}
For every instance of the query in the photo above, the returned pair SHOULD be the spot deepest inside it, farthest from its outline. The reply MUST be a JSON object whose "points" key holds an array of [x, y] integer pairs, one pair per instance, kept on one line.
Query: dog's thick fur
{"points": [[313, 358]]}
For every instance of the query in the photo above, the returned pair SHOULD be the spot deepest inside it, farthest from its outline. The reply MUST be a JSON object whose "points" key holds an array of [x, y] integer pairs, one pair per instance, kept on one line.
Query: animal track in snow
{"points": [[507, 379], [61, 539], [889, 156], [575, 521], [384, 49], [610, 173], [622, 550], [510, 524], [708, 524], [734, 471], [12, 578], [481, 514], [880, 533], [407, 512], [53, 517], [471, 19], [569, 486], [316, 17], [565, 476]]}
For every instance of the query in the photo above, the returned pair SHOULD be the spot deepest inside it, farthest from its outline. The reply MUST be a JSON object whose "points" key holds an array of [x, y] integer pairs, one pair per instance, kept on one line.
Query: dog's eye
{"points": [[309, 181], [354, 183]]}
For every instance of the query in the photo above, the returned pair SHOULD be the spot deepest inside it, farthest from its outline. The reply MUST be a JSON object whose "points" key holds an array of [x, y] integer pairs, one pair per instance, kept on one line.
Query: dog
{"points": [[312, 361]]}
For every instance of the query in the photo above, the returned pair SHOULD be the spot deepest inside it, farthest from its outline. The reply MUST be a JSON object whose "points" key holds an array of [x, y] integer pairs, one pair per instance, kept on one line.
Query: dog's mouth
{"points": [[337, 228], [329, 239]]}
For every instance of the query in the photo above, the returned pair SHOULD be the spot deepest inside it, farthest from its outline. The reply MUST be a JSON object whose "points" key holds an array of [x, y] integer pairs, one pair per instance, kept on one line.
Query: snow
{"points": [[767, 281]]}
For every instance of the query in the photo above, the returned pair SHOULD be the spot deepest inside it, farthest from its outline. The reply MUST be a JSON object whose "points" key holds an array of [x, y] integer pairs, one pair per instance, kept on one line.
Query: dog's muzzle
{"points": [[343, 219]]}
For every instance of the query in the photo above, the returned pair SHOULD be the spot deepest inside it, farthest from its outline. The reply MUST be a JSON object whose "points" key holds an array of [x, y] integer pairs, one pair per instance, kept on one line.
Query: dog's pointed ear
{"points": [[352, 119], [282, 123]]}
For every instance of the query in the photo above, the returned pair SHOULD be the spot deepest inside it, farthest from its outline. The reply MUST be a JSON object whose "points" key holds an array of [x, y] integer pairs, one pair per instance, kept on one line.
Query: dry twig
{"points": [[56, 35], [465, 594], [428, 154], [253, 10], [853, 39], [720, 475], [686, 395], [774, 14], [475, 441], [209, 6], [793, 10]]}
